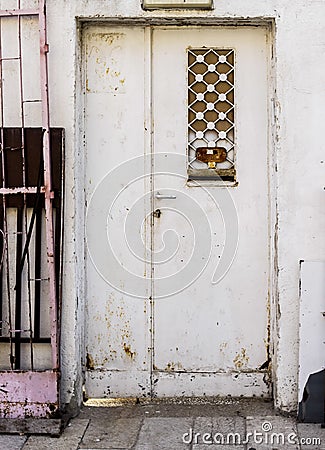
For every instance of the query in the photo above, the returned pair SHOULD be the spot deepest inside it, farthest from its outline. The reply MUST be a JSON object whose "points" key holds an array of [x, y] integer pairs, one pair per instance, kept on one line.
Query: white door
{"points": [[177, 211]]}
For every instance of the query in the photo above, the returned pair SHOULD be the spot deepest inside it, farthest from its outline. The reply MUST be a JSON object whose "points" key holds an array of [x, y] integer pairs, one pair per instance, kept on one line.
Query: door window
{"points": [[211, 141]]}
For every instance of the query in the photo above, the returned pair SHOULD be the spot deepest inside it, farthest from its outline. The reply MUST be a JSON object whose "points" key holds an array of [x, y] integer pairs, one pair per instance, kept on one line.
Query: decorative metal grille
{"points": [[211, 137]]}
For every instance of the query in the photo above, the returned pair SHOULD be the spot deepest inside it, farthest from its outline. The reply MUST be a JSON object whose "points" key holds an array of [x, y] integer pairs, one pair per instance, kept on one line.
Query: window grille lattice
{"points": [[211, 107]]}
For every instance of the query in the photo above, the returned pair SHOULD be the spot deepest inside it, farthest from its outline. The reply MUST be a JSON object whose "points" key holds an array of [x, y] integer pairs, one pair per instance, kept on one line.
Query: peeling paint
{"points": [[241, 359], [27, 394], [127, 349], [223, 346], [174, 367], [90, 364], [103, 58]]}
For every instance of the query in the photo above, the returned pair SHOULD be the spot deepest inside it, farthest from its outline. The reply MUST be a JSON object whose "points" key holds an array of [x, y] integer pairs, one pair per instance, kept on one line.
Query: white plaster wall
{"points": [[299, 151]]}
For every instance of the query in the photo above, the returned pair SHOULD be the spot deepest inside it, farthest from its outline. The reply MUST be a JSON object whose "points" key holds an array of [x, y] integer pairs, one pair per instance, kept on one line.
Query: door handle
{"points": [[162, 196]]}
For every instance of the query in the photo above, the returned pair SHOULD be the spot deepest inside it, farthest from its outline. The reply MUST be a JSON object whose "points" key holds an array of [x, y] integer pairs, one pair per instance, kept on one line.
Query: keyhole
{"points": [[157, 213]]}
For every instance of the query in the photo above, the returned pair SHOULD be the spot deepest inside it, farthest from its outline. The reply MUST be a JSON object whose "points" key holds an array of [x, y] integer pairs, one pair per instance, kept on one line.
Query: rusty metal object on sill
{"points": [[211, 155]]}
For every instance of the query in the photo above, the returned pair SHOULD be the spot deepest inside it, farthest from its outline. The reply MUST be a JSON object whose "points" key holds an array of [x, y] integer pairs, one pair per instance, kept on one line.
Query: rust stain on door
{"points": [[128, 351], [105, 62], [241, 359]]}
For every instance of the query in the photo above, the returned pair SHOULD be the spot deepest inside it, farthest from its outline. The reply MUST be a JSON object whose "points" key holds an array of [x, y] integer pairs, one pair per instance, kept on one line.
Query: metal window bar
{"points": [[25, 225], [30, 184]]}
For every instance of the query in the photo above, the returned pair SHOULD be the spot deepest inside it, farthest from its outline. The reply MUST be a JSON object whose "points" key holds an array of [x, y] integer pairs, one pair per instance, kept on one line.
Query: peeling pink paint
{"points": [[28, 394]]}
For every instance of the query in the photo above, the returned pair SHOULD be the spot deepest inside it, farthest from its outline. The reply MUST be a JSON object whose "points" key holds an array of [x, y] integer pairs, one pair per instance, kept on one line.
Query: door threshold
{"points": [[205, 400]]}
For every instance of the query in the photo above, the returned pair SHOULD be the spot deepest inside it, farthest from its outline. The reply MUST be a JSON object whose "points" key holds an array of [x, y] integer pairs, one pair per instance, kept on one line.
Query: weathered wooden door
{"points": [[177, 263]]}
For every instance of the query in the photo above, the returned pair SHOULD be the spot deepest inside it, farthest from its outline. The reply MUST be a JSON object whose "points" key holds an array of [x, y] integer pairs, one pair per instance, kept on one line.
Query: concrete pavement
{"points": [[189, 424]]}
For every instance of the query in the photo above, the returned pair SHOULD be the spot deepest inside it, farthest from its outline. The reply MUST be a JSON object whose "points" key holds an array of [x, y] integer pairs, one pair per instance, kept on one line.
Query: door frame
{"points": [[190, 21]]}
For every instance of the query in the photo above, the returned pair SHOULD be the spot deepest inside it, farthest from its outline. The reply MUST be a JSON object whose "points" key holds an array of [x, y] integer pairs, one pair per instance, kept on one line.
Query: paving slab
{"points": [[311, 436], [69, 440], [231, 429], [219, 433], [272, 433], [103, 433], [164, 433], [216, 432], [12, 442]]}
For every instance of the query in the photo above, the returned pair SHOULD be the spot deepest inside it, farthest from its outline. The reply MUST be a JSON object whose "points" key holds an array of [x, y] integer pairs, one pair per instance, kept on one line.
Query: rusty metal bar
{"points": [[37, 287], [26, 252], [57, 242], [26, 340], [18, 12], [49, 195], [10, 59], [22, 110], [19, 249], [21, 190], [5, 227], [2, 252]]}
